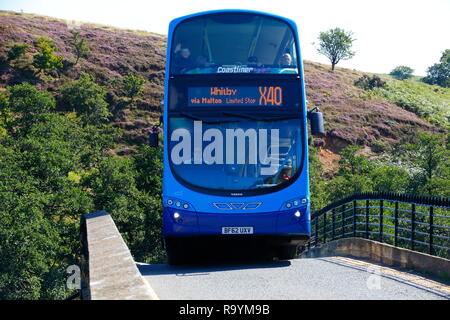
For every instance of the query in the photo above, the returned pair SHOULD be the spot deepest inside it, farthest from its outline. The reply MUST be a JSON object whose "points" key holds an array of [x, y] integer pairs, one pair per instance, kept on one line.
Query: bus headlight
{"points": [[297, 214], [176, 216]]}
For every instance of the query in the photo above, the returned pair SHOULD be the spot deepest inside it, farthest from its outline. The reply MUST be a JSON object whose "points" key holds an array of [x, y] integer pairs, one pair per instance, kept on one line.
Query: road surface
{"points": [[319, 278]]}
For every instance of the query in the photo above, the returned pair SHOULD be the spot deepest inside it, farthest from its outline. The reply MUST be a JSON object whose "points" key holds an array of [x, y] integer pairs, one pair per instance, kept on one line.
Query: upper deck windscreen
{"points": [[233, 43]]}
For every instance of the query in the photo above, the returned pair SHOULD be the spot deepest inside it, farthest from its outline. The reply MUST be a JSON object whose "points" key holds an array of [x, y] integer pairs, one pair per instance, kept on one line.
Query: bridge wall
{"points": [[108, 269], [383, 253]]}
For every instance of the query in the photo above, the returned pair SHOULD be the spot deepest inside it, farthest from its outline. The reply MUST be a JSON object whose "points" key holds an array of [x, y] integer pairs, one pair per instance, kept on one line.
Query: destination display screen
{"points": [[259, 96]]}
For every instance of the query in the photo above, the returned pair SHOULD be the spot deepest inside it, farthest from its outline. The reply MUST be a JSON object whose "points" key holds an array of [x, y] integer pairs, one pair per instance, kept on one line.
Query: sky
{"points": [[388, 33]]}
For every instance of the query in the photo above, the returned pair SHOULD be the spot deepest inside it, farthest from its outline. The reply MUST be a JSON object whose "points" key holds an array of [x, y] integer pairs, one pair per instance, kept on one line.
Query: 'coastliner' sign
{"points": [[234, 69]]}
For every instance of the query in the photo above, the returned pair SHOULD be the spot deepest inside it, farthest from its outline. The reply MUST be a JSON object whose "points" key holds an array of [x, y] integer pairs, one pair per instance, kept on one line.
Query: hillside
{"points": [[352, 116], [113, 53]]}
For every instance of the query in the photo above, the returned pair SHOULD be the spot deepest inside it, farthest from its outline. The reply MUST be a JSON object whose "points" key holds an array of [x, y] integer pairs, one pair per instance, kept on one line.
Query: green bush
{"points": [[79, 44], [28, 103], [402, 72], [5, 113], [87, 98], [132, 85], [368, 83], [26, 99], [16, 51], [46, 59]]}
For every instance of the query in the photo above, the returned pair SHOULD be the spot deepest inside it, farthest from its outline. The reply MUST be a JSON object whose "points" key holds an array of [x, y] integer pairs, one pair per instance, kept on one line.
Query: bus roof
{"points": [[176, 21]]}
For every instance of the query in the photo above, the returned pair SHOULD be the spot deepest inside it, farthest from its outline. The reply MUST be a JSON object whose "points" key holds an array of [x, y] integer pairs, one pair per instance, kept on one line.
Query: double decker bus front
{"points": [[235, 160]]}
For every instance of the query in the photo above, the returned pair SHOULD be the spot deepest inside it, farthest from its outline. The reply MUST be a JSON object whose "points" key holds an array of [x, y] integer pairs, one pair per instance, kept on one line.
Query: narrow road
{"points": [[320, 278]]}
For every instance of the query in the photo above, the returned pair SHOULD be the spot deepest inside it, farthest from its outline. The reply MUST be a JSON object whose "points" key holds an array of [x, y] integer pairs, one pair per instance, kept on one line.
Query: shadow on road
{"points": [[209, 266], [219, 256]]}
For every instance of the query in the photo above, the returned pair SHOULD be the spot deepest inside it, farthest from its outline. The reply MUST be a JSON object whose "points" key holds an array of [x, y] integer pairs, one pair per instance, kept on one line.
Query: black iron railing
{"points": [[414, 222]]}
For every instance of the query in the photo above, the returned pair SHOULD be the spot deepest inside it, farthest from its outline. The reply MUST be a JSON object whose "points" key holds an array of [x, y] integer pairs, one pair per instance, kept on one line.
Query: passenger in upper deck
{"points": [[285, 60], [182, 61]]}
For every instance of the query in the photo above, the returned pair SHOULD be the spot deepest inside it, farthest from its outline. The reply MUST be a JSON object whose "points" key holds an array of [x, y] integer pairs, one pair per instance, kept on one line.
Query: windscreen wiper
{"points": [[199, 118], [238, 115], [289, 116]]}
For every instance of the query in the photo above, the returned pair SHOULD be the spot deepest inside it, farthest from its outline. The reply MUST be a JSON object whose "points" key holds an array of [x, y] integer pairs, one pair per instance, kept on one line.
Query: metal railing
{"points": [[414, 222]]}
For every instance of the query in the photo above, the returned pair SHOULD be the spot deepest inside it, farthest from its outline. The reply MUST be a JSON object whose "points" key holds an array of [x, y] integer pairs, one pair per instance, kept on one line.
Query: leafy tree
{"points": [[41, 206], [87, 98], [5, 113], [353, 164], [316, 180], [26, 100], [429, 157], [402, 72], [79, 44], [135, 212], [389, 178], [132, 85], [368, 83], [29, 243], [46, 59], [336, 45], [17, 51], [439, 74], [149, 166], [445, 58]]}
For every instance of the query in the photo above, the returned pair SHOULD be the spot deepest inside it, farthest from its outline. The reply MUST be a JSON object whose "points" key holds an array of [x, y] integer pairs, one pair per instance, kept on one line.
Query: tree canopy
{"points": [[402, 72], [439, 73], [336, 45]]}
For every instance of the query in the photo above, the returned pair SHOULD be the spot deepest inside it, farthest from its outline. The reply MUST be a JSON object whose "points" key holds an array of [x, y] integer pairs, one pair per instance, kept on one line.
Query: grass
{"points": [[430, 102]]}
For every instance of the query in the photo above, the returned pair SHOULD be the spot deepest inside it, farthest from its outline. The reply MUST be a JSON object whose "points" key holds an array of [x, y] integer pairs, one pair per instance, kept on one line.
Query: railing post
{"points": [[431, 231], [396, 225], [343, 221], [333, 226], [325, 227], [367, 218], [381, 221], [354, 218], [413, 224]]}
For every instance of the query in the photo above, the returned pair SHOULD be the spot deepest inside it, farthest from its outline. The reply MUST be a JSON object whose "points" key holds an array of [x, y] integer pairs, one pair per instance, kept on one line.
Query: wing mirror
{"points": [[153, 136], [316, 120], [153, 139]]}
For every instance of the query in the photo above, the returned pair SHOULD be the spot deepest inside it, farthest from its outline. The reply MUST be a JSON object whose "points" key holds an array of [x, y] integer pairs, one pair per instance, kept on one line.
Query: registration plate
{"points": [[237, 230]]}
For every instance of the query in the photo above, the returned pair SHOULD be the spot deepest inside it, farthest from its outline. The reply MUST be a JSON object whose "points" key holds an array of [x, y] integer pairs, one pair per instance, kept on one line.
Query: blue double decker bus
{"points": [[235, 133]]}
